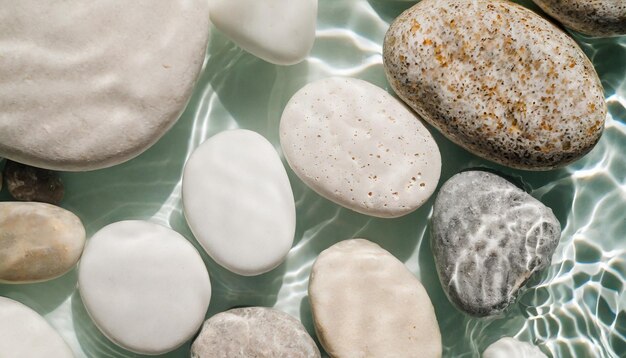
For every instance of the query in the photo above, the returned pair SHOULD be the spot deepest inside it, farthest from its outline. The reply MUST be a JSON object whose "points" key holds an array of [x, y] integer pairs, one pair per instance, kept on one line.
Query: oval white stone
{"points": [[356, 145], [24, 333], [90, 84], [238, 202], [278, 31], [366, 303], [512, 348], [145, 286]]}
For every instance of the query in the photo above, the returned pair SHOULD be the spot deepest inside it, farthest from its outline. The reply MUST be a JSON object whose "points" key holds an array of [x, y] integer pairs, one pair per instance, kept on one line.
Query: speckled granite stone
{"points": [[512, 348], [26, 183], [253, 332], [488, 238], [498, 80], [591, 17], [366, 303]]}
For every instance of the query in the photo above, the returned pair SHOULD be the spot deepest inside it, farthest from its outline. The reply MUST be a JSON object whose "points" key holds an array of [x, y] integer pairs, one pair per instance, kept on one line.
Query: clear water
{"points": [[575, 308]]}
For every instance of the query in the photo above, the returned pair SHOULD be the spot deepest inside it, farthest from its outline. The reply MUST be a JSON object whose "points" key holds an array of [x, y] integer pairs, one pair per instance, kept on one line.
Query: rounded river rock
{"points": [[356, 145], [512, 348], [144, 285], [26, 334], [90, 84], [488, 238], [26, 183], [238, 202], [253, 332], [591, 17], [366, 303], [38, 242], [498, 80]]}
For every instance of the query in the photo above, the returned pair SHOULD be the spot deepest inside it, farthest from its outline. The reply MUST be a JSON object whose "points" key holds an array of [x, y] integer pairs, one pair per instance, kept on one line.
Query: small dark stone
{"points": [[26, 183], [488, 238]]}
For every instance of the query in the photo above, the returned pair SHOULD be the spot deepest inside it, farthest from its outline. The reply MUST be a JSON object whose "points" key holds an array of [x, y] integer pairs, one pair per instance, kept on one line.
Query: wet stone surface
{"points": [[253, 332], [489, 237]]}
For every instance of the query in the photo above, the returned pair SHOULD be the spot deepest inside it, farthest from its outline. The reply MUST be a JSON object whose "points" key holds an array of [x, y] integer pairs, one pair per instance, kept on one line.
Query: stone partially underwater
{"points": [[489, 237]]}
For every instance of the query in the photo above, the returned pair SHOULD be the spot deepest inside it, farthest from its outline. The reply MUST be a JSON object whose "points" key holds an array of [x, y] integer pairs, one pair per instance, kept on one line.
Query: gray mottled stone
{"points": [[591, 17], [38, 242], [488, 238], [498, 80], [26, 183], [253, 332]]}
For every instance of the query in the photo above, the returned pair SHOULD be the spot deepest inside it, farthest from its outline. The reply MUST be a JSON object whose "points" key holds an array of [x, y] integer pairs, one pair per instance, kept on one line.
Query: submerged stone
{"points": [[38, 241], [488, 238], [253, 332], [26, 183]]}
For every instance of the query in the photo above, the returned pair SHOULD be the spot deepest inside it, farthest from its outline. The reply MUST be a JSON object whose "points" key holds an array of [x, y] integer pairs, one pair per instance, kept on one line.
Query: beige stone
{"points": [[38, 242], [366, 303]]}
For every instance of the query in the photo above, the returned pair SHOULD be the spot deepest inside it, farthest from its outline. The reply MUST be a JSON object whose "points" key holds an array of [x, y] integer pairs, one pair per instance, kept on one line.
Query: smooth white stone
{"points": [[90, 84], [25, 334], [512, 348], [238, 202], [366, 303], [145, 286], [356, 145], [278, 31], [38, 242]]}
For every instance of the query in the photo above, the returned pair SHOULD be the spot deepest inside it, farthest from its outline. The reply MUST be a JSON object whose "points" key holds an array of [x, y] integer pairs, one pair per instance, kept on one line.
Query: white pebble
{"points": [[512, 348], [238, 202], [145, 286], [90, 84], [278, 31], [24, 333]]}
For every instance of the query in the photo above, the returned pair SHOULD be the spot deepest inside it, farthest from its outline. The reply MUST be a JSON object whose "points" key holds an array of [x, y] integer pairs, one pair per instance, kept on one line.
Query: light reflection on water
{"points": [[576, 308]]}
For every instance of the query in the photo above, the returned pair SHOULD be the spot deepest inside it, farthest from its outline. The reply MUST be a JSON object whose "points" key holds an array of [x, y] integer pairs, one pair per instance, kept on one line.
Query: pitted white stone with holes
{"points": [[90, 84], [512, 348], [24, 333], [278, 31], [354, 144], [144, 285], [366, 303], [238, 202]]}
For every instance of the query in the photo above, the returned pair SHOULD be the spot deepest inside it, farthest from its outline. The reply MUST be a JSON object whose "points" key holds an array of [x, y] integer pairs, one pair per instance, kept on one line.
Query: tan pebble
{"points": [[38, 242]]}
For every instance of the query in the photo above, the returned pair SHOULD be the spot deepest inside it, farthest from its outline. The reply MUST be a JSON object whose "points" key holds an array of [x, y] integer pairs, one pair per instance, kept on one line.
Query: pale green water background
{"points": [[576, 308]]}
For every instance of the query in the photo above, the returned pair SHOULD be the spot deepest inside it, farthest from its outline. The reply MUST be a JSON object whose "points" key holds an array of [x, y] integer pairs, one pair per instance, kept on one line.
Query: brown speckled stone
{"points": [[498, 80], [592, 17], [26, 183], [253, 332]]}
